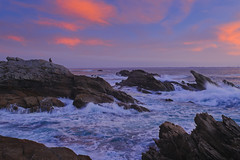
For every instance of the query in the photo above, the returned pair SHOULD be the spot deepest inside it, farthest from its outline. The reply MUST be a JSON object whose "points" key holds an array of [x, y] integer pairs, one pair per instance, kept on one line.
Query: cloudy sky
{"points": [[122, 33]]}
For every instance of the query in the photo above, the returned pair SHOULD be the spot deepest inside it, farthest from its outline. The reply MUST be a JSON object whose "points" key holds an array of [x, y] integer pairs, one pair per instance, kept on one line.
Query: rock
{"points": [[229, 84], [14, 59], [201, 81], [146, 81], [133, 106], [123, 73], [18, 149], [50, 101], [22, 82], [168, 100], [210, 140], [31, 102], [143, 90], [100, 70], [81, 100]]}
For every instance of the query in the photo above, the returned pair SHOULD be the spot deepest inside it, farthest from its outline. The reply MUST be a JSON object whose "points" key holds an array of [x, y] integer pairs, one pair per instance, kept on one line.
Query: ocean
{"points": [[108, 132]]}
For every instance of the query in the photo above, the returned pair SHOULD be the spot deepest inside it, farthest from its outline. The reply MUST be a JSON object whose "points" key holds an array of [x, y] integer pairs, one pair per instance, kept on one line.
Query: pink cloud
{"points": [[59, 24], [68, 41], [230, 33], [15, 38], [76, 41], [96, 11]]}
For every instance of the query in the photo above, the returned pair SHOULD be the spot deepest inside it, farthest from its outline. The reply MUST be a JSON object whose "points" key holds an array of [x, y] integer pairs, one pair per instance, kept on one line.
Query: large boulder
{"points": [[18, 149], [142, 79], [22, 82], [210, 140]]}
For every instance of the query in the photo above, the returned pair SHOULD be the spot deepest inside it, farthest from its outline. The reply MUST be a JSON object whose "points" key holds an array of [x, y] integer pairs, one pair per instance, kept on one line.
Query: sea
{"points": [[108, 132]]}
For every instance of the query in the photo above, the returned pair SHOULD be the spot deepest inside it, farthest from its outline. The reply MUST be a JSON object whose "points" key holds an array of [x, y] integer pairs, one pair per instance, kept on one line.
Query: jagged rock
{"points": [[229, 83], [22, 82], [123, 73], [210, 140], [201, 81], [146, 81], [18, 149]]}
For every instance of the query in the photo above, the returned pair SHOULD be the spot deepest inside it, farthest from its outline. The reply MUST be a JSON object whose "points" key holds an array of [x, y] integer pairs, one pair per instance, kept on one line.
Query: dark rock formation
{"points": [[133, 106], [201, 81], [229, 84], [169, 100], [28, 83], [18, 149], [146, 81], [123, 73], [210, 140]]}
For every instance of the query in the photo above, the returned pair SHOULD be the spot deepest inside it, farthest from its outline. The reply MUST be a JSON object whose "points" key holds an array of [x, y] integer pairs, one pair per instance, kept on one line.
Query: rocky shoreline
{"points": [[36, 86]]}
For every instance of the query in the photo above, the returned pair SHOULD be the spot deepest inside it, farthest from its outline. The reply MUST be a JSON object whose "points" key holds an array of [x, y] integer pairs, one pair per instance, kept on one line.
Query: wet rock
{"points": [[81, 100], [123, 73], [133, 106], [23, 82], [229, 83], [143, 90], [146, 81], [210, 139], [18, 149], [31, 102], [201, 81], [168, 100]]}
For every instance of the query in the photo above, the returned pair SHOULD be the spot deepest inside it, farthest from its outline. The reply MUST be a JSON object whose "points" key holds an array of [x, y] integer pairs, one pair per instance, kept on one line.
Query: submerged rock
{"points": [[146, 81], [21, 149], [229, 84], [210, 139], [201, 81], [23, 82]]}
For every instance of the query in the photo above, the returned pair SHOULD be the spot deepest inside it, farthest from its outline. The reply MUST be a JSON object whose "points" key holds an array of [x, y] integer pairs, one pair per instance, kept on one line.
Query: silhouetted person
{"points": [[50, 60]]}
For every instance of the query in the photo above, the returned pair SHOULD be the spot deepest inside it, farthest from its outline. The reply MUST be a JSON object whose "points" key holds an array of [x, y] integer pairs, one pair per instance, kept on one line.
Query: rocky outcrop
{"points": [[29, 83], [142, 79], [201, 81], [123, 73], [18, 149], [210, 139]]}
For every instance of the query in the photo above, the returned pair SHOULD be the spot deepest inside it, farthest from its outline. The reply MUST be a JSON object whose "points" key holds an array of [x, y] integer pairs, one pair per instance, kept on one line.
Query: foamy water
{"points": [[108, 132]]}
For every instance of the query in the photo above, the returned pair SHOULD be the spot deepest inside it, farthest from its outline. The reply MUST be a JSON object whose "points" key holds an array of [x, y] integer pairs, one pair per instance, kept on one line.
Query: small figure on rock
{"points": [[50, 60]]}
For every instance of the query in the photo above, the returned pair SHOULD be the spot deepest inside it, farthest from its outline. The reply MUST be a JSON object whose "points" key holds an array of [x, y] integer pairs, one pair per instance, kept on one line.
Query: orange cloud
{"points": [[92, 10], [19, 39], [59, 24], [198, 46], [76, 41], [68, 41], [230, 33]]}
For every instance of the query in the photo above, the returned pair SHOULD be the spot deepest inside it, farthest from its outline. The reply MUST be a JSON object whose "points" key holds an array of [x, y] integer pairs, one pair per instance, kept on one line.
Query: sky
{"points": [[122, 33]]}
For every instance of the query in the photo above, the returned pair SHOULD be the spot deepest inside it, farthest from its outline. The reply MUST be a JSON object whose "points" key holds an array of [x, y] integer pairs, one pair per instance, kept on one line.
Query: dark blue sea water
{"points": [[107, 132]]}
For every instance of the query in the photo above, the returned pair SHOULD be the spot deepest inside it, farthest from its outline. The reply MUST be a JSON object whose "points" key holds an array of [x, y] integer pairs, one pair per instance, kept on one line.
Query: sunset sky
{"points": [[122, 33]]}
